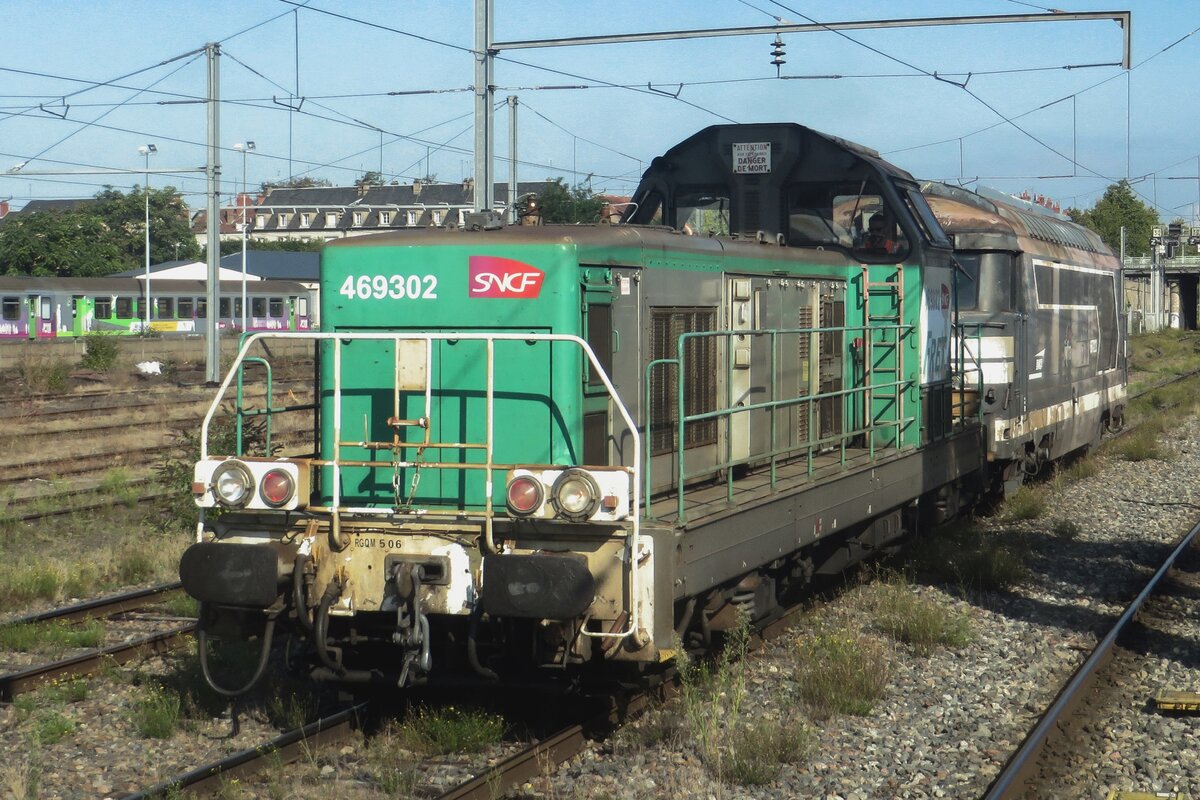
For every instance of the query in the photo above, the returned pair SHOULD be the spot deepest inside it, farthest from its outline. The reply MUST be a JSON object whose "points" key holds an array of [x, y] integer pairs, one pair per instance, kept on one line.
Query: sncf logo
{"points": [[491, 276]]}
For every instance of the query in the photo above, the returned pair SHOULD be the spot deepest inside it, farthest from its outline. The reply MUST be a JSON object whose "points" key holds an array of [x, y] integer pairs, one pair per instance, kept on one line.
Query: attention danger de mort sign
{"points": [[752, 157]]}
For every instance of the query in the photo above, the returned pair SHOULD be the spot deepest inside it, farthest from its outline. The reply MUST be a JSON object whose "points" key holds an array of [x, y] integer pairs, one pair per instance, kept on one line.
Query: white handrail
{"points": [[633, 540]]}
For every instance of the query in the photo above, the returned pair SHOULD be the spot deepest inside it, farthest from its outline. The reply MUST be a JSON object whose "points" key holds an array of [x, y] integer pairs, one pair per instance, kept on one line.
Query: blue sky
{"points": [[344, 68]]}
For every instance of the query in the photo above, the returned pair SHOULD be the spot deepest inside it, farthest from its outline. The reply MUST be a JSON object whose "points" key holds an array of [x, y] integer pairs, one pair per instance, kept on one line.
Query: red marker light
{"points": [[277, 488], [525, 495]]}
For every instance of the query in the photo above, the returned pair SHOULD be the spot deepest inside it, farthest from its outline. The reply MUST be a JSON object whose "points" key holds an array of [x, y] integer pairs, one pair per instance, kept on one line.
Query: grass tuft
{"points": [[117, 482], [391, 764], [898, 611], [450, 730], [1065, 529], [962, 555], [52, 727], [761, 748], [841, 672], [1028, 502], [1141, 445], [713, 691], [157, 715]]}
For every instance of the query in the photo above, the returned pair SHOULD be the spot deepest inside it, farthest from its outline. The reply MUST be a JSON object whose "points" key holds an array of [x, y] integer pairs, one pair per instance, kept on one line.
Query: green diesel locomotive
{"points": [[544, 446]]}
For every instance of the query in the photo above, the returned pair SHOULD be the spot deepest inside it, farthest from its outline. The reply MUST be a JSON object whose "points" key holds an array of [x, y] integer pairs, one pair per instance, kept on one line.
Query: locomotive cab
{"points": [[793, 186]]}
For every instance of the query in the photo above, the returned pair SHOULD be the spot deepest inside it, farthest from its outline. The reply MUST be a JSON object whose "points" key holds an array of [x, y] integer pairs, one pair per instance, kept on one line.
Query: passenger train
{"points": [[47, 308], [547, 448]]}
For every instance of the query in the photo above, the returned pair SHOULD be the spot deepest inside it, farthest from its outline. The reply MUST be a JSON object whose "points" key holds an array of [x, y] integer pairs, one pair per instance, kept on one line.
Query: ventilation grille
{"points": [[700, 366]]}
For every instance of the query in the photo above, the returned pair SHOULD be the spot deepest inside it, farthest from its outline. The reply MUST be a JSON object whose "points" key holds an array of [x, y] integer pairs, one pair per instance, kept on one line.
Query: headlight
{"points": [[575, 495], [277, 488], [232, 484], [525, 495]]}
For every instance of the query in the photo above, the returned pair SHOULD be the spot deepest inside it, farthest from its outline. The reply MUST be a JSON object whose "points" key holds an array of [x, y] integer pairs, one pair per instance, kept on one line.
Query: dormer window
{"points": [[438, 216], [306, 220], [385, 218], [260, 221], [359, 216], [410, 217], [331, 219], [285, 219]]}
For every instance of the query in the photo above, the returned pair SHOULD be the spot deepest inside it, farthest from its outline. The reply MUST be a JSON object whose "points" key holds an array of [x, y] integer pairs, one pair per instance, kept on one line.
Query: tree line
{"points": [[107, 234]]}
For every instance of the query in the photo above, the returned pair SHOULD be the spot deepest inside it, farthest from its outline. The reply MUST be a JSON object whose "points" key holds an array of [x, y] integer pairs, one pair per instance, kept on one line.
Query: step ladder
{"points": [[883, 355]]}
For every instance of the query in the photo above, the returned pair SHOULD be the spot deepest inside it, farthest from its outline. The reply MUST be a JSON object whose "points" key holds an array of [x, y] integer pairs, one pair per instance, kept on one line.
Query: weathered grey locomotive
{"points": [[1046, 343], [546, 447]]}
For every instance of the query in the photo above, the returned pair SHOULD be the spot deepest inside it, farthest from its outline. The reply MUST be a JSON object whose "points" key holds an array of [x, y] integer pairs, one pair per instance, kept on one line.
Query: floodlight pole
{"points": [[243, 148], [512, 159], [212, 169], [147, 150], [484, 90]]}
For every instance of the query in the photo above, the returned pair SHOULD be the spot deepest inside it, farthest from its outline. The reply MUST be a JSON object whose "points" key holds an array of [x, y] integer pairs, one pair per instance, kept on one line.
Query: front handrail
{"points": [[490, 466]]}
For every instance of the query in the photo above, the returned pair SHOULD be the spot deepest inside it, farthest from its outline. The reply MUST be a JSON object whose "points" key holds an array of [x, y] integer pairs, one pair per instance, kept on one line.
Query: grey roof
{"points": [[35, 206], [278, 265], [431, 194], [281, 265]]}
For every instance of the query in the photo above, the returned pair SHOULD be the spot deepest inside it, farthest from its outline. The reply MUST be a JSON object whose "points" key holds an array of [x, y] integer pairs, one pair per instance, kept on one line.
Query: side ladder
{"points": [[883, 356]]}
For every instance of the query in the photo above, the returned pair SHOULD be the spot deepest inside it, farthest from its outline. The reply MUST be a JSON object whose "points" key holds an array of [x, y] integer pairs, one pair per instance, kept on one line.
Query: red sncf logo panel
{"points": [[491, 276]]}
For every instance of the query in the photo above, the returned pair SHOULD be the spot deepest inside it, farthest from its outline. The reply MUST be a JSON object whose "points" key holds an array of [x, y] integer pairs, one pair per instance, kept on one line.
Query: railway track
{"points": [[495, 781], [30, 678], [1022, 773]]}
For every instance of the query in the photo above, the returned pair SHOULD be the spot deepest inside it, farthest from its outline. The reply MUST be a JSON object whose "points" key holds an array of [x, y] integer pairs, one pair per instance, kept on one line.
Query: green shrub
{"points": [[100, 351], [176, 470]]}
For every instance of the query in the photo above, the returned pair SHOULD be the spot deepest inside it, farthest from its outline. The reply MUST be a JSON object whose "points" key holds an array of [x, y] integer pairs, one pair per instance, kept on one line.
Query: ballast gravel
{"points": [[943, 727], [948, 721]]}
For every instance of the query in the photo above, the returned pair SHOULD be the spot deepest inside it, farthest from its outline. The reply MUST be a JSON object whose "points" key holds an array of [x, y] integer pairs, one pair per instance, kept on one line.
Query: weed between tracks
{"points": [[52, 638], [731, 746], [964, 556]]}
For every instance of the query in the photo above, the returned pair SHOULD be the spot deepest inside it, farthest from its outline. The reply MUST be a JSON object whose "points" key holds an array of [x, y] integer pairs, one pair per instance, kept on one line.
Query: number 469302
{"points": [[397, 287]]}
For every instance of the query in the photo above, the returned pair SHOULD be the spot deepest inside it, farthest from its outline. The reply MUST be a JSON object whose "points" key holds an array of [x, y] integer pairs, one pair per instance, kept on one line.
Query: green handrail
{"points": [[811, 445]]}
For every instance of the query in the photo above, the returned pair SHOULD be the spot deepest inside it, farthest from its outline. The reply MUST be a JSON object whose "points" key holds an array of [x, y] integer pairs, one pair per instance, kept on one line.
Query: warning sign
{"points": [[752, 157]]}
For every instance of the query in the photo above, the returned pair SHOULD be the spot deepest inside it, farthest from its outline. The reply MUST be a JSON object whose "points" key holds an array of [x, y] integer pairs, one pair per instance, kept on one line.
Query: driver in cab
{"points": [[878, 238]]}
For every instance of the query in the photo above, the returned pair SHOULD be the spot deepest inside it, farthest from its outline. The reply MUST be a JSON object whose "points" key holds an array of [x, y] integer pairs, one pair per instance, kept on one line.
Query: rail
{"points": [[1010, 783], [864, 390]]}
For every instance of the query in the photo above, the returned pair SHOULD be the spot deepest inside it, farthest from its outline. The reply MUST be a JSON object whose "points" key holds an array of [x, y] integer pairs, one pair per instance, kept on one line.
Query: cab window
{"points": [[702, 213], [925, 218], [852, 215], [987, 284]]}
